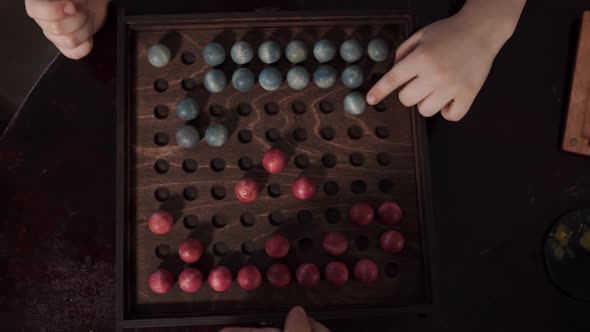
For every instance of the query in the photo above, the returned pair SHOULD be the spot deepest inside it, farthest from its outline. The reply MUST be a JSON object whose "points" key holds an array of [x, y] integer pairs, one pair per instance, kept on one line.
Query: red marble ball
{"points": [[190, 280], [190, 250], [249, 277], [161, 281], [390, 213], [308, 275], [277, 246], [392, 241], [246, 190], [361, 214], [220, 279], [278, 275], [336, 273], [160, 222], [303, 188], [335, 243], [274, 160], [366, 271]]}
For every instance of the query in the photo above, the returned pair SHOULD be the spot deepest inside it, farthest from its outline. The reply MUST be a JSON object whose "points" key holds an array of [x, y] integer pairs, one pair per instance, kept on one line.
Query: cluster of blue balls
{"points": [[187, 136]]}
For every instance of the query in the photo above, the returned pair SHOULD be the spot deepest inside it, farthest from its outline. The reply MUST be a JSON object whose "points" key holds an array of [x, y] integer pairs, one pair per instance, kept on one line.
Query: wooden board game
{"points": [[577, 131], [377, 156]]}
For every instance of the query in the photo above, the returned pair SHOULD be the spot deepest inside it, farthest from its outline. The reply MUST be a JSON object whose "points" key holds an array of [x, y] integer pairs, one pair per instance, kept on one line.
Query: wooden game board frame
{"points": [[125, 318]]}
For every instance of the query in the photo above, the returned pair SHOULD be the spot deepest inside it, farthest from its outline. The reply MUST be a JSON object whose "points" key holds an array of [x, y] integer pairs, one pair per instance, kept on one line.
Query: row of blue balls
{"points": [[269, 52], [270, 78]]}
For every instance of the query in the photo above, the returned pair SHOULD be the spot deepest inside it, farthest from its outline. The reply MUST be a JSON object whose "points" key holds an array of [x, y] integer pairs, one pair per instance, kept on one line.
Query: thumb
{"points": [[297, 321]]}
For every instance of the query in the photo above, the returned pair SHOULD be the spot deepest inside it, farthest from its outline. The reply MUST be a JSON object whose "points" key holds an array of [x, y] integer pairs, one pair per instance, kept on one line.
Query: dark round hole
{"points": [[217, 164], [383, 158], [161, 166], [162, 194], [248, 248], [331, 188], [305, 244], [304, 217], [218, 192], [327, 133], [362, 242], [189, 165], [273, 135], [276, 218], [381, 132], [357, 159], [392, 270], [219, 220], [190, 221], [162, 251], [386, 186], [161, 139], [245, 136], [333, 216], [161, 85], [326, 106], [300, 134], [220, 249], [358, 187], [271, 108], [301, 161], [244, 109], [355, 132], [248, 219], [329, 160], [245, 163], [380, 107], [188, 58], [298, 107], [188, 84], [190, 193], [161, 112], [216, 111], [275, 190]]}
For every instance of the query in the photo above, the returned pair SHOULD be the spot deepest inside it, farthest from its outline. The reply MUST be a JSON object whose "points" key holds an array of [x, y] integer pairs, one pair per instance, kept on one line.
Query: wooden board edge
{"points": [[578, 112]]}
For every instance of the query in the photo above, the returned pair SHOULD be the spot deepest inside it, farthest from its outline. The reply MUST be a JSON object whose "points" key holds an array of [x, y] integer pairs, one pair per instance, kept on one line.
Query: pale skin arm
{"points": [[444, 65], [69, 24]]}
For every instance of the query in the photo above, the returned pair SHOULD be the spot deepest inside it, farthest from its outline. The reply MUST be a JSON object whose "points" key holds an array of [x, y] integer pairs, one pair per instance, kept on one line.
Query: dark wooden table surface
{"points": [[499, 181]]}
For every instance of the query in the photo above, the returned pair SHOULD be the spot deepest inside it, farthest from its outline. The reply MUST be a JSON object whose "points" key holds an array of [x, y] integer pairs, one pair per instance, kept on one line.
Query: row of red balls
{"points": [[249, 277], [362, 214]]}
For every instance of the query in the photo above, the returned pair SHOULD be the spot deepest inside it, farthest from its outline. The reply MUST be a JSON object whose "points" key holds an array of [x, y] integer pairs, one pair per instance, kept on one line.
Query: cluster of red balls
{"points": [[362, 214], [274, 161]]}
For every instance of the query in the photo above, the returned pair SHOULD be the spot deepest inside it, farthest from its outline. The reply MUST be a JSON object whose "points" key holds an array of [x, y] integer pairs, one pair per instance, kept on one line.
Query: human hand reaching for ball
{"points": [[69, 24], [445, 64], [297, 321]]}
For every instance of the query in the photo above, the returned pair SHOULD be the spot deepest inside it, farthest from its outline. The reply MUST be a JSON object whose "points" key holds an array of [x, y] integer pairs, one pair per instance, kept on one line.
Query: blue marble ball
{"points": [[378, 50], [187, 109], [242, 52], [324, 50], [215, 81], [296, 51], [269, 52], [187, 137], [325, 76], [159, 55], [297, 78], [351, 50], [243, 79], [270, 78], [352, 77], [213, 54], [216, 135], [354, 103]]}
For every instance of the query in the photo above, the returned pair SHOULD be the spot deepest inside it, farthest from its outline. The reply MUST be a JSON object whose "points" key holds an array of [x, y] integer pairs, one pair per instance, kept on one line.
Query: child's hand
{"points": [[69, 24], [446, 63], [297, 321]]}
